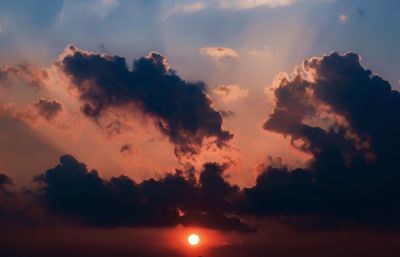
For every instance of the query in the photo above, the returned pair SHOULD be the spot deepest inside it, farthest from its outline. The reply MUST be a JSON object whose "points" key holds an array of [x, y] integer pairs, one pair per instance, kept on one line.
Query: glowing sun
{"points": [[193, 239]]}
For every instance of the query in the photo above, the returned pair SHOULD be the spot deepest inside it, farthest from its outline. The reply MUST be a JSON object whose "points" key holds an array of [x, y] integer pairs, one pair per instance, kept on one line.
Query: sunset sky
{"points": [[265, 127]]}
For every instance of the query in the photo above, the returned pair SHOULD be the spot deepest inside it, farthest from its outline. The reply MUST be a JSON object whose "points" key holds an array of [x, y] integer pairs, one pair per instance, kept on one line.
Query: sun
{"points": [[193, 239]]}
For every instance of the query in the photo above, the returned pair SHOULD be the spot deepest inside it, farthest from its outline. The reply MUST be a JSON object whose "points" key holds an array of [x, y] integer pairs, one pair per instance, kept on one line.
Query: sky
{"points": [[267, 127]]}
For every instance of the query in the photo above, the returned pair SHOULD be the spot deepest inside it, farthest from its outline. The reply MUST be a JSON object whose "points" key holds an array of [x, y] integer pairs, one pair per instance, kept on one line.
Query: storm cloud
{"points": [[76, 194], [348, 119], [181, 109], [349, 103], [325, 109]]}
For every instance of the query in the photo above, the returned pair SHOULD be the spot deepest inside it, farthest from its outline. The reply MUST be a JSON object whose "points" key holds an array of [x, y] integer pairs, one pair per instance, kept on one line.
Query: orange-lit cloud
{"points": [[230, 93], [219, 52], [23, 74], [249, 4], [343, 18]]}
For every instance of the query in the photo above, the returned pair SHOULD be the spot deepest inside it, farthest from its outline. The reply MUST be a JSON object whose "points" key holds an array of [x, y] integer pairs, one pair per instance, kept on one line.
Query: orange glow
{"points": [[193, 239]]}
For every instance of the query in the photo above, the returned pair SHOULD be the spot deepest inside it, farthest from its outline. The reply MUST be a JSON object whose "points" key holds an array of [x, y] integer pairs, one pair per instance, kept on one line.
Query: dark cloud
{"points": [[348, 119], [363, 103], [333, 108], [181, 109], [48, 109], [74, 193], [4, 182]]}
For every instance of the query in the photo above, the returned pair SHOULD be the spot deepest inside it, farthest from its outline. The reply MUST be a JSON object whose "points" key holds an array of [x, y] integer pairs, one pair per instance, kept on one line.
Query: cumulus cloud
{"points": [[360, 104], [71, 190], [181, 110], [230, 93], [331, 107], [337, 110], [23, 83], [219, 52]]}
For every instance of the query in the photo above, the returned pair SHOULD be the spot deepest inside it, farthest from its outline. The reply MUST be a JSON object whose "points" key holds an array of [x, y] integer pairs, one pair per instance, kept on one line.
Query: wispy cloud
{"points": [[264, 52], [219, 52], [230, 93], [182, 8], [249, 4], [191, 7], [100, 8]]}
